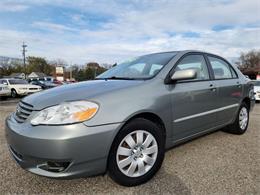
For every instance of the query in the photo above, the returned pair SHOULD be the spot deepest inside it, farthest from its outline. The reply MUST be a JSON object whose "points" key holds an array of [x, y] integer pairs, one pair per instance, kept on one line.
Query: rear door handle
{"points": [[212, 87], [239, 85]]}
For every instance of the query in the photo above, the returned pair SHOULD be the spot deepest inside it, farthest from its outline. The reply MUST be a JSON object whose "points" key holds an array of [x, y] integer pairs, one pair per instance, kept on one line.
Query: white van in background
{"points": [[19, 87]]}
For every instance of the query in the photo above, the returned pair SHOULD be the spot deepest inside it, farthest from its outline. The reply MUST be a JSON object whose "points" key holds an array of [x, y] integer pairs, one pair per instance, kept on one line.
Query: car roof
{"points": [[185, 51]]}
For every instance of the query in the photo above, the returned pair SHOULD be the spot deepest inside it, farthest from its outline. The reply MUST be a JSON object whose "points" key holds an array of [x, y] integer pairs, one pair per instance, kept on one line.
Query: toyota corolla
{"points": [[123, 121]]}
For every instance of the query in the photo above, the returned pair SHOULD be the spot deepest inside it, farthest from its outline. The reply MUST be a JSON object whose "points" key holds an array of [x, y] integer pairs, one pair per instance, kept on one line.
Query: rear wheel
{"points": [[137, 153], [241, 123]]}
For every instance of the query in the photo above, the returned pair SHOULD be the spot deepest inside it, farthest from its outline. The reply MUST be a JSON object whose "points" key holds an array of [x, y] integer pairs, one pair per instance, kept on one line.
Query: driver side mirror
{"points": [[186, 74]]}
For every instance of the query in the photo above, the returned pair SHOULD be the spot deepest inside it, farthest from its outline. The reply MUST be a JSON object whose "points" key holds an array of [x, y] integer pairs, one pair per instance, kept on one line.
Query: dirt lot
{"points": [[218, 163]]}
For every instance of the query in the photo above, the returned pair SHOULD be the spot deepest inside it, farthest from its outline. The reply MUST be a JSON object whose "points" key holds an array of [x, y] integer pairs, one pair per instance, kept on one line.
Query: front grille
{"points": [[23, 111]]}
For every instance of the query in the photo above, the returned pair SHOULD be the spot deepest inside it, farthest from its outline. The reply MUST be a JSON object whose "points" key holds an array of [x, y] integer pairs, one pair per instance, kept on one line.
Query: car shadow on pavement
{"points": [[162, 183]]}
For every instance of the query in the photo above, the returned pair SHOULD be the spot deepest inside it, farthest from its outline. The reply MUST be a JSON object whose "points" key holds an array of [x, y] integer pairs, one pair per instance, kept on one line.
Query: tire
{"points": [[139, 155], [13, 93], [239, 127]]}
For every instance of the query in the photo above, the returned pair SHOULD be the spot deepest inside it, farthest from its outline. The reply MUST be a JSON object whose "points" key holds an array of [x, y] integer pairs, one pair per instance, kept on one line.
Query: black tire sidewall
{"points": [[13, 93], [136, 124]]}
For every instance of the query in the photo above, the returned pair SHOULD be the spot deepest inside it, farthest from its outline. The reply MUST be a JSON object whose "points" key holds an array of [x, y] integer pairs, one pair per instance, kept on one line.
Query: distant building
{"points": [[59, 73], [17, 75], [37, 75]]}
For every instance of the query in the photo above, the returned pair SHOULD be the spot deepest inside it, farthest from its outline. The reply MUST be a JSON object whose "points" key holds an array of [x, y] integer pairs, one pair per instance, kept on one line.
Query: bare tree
{"points": [[249, 60]]}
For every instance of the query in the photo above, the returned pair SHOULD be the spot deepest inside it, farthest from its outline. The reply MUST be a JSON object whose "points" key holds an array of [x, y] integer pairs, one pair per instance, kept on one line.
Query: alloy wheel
{"points": [[243, 118], [137, 153]]}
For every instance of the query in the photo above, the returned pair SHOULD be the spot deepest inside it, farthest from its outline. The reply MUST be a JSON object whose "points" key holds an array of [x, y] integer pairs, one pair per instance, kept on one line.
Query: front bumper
{"points": [[257, 96], [22, 92], [27, 92], [5, 93], [83, 149]]}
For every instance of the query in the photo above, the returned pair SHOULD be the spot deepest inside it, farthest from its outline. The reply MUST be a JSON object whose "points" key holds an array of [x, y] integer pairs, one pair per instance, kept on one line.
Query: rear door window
{"points": [[221, 69]]}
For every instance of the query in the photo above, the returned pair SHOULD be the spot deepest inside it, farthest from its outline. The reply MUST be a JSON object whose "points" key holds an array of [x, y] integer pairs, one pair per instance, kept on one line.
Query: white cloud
{"points": [[226, 43], [12, 7], [48, 26], [138, 28]]}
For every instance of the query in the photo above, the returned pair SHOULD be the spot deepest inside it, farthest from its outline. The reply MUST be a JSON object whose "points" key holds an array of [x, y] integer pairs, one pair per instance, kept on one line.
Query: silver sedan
{"points": [[123, 121]]}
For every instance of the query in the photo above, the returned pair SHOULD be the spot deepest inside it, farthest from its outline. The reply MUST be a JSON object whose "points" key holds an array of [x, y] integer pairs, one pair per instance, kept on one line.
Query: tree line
{"points": [[249, 60], [38, 64]]}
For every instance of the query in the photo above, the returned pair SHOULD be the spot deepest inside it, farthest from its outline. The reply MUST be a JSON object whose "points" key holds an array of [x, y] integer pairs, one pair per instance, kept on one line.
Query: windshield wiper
{"points": [[116, 78]]}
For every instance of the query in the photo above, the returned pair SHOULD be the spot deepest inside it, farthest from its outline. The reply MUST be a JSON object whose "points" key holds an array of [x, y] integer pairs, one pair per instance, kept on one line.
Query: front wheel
{"points": [[137, 153], [241, 123], [13, 93]]}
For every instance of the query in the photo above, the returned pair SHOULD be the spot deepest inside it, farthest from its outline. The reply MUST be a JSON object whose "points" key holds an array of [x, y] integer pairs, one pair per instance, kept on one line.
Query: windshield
{"points": [[17, 81], [256, 83], [142, 67]]}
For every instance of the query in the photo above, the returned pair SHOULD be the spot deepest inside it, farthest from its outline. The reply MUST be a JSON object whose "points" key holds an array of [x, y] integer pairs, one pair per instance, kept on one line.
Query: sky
{"points": [[109, 31]]}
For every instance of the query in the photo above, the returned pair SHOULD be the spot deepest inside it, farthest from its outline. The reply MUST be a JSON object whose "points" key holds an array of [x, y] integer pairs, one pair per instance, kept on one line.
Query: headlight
{"points": [[66, 113]]}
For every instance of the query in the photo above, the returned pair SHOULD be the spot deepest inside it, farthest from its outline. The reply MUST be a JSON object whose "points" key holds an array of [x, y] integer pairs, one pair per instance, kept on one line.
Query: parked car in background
{"points": [[19, 87], [256, 84], [125, 120], [43, 84], [57, 82], [5, 92]]}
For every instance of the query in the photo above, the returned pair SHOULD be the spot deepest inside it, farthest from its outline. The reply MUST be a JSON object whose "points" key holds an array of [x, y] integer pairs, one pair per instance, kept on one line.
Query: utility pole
{"points": [[95, 72], [70, 71], [23, 52]]}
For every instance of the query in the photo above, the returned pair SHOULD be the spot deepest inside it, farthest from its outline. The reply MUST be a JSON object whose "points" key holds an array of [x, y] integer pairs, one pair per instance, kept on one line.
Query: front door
{"points": [[193, 101]]}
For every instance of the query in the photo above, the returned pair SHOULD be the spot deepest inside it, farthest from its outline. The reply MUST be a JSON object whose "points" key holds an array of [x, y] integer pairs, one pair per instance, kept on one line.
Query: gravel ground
{"points": [[218, 163]]}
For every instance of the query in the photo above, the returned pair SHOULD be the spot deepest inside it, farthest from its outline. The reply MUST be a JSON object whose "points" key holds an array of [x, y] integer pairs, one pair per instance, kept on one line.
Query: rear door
{"points": [[193, 101], [229, 89]]}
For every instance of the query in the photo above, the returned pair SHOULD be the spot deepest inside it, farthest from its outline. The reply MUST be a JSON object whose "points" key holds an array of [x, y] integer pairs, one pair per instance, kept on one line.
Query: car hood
{"points": [[79, 91]]}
